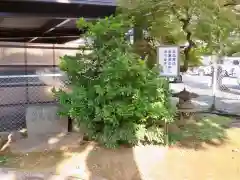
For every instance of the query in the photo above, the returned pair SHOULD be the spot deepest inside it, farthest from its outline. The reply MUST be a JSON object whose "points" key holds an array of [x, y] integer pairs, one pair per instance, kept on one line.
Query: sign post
{"points": [[169, 61]]}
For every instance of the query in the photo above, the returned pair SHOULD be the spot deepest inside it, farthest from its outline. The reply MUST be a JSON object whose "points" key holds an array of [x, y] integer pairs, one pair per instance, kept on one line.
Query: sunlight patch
{"points": [[201, 103]]}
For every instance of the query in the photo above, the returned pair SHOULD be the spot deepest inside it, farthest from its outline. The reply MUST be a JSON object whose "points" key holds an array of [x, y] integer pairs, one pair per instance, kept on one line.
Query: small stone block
{"points": [[43, 119]]}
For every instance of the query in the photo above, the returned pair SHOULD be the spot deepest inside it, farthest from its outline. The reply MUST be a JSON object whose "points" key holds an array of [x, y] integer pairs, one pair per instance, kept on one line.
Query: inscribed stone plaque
{"points": [[44, 120]]}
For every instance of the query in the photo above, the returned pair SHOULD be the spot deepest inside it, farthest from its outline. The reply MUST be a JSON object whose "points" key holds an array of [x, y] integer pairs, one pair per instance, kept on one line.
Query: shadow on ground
{"points": [[207, 130], [94, 162], [90, 161], [67, 156], [114, 164]]}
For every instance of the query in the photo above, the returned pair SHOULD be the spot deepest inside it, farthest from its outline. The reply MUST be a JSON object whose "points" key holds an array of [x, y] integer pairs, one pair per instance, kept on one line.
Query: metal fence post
{"points": [[26, 73], [215, 83]]}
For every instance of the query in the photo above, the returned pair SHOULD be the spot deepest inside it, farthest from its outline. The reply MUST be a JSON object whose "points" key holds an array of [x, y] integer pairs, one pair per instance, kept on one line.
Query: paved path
{"points": [[13, 174]]}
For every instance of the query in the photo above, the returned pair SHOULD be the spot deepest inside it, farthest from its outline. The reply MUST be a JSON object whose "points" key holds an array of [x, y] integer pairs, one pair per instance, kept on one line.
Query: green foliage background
{"points": [[204, 27]]}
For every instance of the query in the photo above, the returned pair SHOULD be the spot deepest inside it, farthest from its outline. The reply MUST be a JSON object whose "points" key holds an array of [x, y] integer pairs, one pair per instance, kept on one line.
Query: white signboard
{"points": [[168, 58]]}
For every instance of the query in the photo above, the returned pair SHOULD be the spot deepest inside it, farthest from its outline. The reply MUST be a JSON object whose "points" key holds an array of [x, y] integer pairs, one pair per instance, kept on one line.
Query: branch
{"points": [[191, 44], [175, 11], [7, 143], [186, 23]]}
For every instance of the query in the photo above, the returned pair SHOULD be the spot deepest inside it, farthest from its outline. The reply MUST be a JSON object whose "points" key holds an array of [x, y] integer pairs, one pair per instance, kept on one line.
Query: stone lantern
{"points": [[185, 107]]}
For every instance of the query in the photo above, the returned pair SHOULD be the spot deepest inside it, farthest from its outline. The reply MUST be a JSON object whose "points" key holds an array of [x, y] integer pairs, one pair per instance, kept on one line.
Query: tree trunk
{"points": [[137, 33]]}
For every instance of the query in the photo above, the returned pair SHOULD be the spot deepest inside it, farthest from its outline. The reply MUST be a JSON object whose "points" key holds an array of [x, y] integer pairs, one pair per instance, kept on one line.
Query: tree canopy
{"points": [[201, 26]]}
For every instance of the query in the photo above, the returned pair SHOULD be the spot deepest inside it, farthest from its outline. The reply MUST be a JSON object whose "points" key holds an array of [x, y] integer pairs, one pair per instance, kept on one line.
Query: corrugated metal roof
{"points": [[97, 2], [35, 21]]}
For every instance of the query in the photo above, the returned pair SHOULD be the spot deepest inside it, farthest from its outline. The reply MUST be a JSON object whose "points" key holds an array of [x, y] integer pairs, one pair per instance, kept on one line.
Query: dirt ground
{"points": [[210, 162]]}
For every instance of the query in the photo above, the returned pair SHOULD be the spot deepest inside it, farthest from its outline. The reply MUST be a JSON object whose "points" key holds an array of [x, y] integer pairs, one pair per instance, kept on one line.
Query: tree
{"points": [[234, 50], [180, 21], [220, 31], [115, 98]]}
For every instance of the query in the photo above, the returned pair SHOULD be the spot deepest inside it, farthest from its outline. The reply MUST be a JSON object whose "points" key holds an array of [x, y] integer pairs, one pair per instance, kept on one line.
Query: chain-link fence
{"points": [[227, 93], [27, 76]]}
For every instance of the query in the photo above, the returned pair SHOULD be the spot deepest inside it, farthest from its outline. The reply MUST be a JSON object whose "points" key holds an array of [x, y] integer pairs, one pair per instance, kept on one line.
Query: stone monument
{"points": [[43, 119], [185, 107]]}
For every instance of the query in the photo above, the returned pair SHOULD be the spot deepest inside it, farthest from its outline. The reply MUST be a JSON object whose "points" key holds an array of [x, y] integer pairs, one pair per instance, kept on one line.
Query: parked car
{"points": [[232, 71], [231, 67], [204, 70], [208, 70], [176, 79]]}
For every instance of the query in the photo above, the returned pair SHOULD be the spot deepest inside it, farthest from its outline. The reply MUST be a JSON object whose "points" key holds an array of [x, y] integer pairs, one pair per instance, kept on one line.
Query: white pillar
{"points": [[215, 83]]}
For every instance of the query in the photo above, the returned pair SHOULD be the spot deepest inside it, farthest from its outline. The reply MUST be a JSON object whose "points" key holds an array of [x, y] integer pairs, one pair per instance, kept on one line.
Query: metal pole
{"points": [[165, 122], [26, 73], [215, 84]]}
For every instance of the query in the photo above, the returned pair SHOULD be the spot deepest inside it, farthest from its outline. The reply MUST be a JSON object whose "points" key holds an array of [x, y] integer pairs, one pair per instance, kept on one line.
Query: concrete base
{"points": [[43, 120]]}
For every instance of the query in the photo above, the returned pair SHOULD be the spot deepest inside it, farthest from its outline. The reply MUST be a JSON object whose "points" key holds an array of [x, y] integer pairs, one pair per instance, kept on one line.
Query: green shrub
{"points": [[114, 97], [3, 160]]}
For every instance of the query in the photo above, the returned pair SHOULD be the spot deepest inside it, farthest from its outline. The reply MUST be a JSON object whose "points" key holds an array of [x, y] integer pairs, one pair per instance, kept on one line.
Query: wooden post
{"points": [[166, 134], [70, 124]]}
